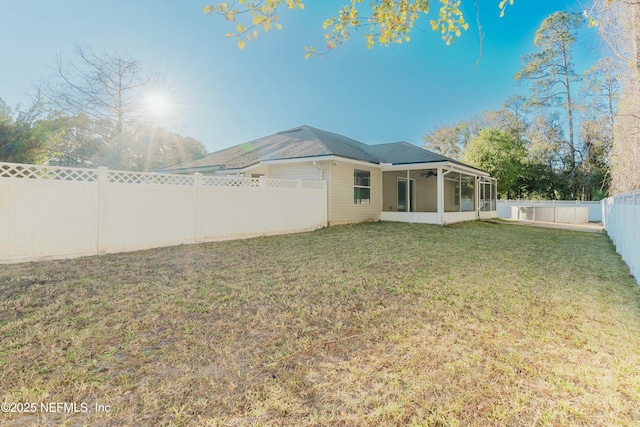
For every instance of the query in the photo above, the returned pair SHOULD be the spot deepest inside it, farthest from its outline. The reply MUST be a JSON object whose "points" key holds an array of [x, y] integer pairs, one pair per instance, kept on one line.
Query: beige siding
{"points": [[342, 208], [260, 170], [390, 190], [426, 192], [425, 197], [305, 171]]}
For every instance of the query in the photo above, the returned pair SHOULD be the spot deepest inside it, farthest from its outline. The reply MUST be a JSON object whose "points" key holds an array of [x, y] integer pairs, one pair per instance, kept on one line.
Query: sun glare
{"points": [[158, 104]]}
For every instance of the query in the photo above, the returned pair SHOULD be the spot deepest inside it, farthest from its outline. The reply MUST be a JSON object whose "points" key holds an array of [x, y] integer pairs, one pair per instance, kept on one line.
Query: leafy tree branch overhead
{"points": [[385, 21]]}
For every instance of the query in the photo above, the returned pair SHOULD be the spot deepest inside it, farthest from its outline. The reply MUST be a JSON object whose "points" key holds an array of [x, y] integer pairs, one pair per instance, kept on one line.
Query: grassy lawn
{"points": [[474, 324]]}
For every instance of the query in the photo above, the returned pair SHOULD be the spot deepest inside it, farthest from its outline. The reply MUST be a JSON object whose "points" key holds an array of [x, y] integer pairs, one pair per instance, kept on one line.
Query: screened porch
{"points": [[437, 195]]}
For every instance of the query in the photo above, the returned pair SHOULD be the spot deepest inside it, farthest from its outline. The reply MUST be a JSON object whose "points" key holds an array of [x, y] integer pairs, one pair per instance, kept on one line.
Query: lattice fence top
{"points": [[16, 170], [122, 177], [281, 183], [221, 181], [312, 185]]}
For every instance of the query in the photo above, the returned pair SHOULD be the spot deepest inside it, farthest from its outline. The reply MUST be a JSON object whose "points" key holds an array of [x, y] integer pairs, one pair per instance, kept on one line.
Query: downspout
{"points": [[320, 168]]}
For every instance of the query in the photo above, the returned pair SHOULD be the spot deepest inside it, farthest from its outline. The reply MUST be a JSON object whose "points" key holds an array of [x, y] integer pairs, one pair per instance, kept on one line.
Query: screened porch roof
{"points": [[448, 165]]}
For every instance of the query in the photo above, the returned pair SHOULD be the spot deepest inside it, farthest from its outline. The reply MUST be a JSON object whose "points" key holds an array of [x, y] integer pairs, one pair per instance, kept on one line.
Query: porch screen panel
{"points": [[467, 193], [487, 194], [452, 192]]}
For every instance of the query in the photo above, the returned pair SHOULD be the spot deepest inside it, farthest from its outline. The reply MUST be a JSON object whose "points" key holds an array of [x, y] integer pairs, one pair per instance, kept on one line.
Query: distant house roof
{"points": [[304, 142]]}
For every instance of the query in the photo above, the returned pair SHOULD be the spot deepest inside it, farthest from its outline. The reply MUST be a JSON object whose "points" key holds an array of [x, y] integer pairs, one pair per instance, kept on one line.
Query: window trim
{"points": [[358, 186]]}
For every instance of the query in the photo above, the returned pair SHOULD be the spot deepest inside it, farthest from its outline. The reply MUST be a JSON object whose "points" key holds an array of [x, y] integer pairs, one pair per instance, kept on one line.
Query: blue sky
{"points": [[225, 96]]}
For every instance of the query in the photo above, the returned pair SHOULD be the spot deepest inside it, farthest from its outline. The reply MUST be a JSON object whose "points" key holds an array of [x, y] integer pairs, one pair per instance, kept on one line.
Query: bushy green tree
{"points": [[503, 156], [26, 135]]}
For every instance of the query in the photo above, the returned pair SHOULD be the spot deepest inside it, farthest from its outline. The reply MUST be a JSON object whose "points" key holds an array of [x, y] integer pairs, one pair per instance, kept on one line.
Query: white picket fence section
{"points": [[621, 219], [595, 208], [58, 212]]}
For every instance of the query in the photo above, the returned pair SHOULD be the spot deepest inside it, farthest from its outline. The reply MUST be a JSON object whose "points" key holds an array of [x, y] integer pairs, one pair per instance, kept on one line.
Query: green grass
{"points": [[474, 324]]}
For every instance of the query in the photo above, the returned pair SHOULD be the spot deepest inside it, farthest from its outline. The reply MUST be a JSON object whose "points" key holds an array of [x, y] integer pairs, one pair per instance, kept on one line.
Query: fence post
{"points": [[103, 200], [197, 227], [325, 217], [263, 203], [300, 205]]}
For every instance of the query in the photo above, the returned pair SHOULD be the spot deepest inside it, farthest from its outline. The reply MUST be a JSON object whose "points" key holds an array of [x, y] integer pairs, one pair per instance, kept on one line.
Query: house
{"points": [[390, 182]]}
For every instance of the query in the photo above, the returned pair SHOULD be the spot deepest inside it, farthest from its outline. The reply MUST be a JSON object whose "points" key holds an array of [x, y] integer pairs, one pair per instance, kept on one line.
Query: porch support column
{"points": [[477, 198], [440, 196], [408, 192]]}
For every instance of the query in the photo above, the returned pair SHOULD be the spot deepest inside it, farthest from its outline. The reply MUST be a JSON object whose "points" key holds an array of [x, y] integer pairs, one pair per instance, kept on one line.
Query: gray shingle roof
{"points": [[306, 141], [404, 153]]}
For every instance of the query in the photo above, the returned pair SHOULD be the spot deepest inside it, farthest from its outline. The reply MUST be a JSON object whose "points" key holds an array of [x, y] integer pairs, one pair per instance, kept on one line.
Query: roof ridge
{"points": [[353, 143]]}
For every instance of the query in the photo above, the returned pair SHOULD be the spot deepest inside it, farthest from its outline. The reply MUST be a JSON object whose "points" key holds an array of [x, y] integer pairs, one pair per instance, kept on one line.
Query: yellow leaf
{"points": [[229, 35], [278, 26], [241, 44]]}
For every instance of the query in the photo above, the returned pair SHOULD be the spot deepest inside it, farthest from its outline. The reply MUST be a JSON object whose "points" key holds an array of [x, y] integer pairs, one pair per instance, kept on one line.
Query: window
{"points": [[361, 187]]}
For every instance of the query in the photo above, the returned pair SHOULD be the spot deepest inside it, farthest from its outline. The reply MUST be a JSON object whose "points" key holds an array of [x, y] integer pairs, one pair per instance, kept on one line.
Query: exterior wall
{"points": [[452, 217], [390, 190], [260, 170], [305, 171], [487, 214], [48, 212], [426, 190], [413, 217], [342, 210]]}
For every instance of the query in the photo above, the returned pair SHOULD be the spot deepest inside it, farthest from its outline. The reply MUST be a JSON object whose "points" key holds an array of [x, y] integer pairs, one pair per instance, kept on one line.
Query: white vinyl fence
{"points": [[621, 219], [59, 212], [595, 208]]}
